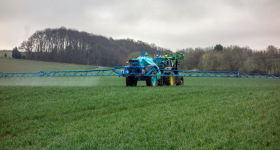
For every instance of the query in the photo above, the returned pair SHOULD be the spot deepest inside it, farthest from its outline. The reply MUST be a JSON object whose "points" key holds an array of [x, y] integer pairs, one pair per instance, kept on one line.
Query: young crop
{"points": [[102, 113]]}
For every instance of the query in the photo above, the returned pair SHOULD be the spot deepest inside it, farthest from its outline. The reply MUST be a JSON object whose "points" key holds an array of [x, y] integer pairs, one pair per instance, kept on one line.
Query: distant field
{"points": [[2, 54], [22, 65]]}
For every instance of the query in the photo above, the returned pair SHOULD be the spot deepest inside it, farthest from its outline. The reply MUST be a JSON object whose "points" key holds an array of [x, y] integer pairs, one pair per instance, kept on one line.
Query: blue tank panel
{"points": [[146, 61]]}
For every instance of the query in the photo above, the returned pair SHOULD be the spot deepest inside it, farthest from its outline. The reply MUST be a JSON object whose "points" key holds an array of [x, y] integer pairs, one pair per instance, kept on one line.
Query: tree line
{"points": [[71, 46], [232, 58], [16, 54]]}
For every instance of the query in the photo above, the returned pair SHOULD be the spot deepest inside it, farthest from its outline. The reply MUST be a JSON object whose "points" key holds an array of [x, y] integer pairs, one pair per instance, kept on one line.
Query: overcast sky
{"points": [[173, 24]]}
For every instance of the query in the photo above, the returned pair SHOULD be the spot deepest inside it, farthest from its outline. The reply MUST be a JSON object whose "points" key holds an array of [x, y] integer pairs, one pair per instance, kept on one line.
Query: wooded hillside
{"points": [[72, 46]]}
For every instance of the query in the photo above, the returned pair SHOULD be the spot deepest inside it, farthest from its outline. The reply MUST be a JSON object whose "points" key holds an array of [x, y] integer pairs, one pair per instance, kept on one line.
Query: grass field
{"points": [[9, 54], [102, 113], [22, 65]]}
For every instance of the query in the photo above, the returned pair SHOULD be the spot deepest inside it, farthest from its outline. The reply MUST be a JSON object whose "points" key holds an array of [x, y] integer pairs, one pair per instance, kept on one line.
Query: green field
{"points": [[22, 65], [9, 54], [102, 113]]}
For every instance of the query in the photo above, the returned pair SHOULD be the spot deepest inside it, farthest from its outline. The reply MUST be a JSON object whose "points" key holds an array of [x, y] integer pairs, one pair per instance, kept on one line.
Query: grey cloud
{"points": [[170, 24]]}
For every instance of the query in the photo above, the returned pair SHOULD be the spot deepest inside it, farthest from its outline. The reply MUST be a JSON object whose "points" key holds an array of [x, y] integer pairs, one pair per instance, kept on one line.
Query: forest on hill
{"points": [[72, 46]]}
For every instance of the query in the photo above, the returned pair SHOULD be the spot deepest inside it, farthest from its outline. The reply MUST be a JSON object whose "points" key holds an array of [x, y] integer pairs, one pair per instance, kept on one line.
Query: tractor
{"points": [[162, 70]]}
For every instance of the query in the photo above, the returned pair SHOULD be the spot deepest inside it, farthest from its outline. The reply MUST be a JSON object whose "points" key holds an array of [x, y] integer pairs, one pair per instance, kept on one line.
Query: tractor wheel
{"points": [[181, 81], [169, 81], [151, 80], [130, 81], [127, 79], [134, 83]]}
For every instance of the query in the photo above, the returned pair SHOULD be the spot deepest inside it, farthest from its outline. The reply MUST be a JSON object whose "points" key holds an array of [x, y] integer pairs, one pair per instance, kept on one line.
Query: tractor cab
{"points": [[165, 64]]}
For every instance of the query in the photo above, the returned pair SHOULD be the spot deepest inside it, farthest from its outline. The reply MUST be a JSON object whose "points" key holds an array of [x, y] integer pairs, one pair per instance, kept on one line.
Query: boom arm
{"points": [[116, 72]]}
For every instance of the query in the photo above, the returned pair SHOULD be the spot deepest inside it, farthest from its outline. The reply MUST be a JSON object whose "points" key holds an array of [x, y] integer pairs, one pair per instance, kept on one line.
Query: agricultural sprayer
{"points": [[157, 71], [162, 70]]}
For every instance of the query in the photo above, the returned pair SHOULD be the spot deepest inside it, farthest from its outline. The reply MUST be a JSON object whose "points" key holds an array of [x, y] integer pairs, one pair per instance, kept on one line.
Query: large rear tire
{"points": [[169, 81], [151, 80], [181, 81]]}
